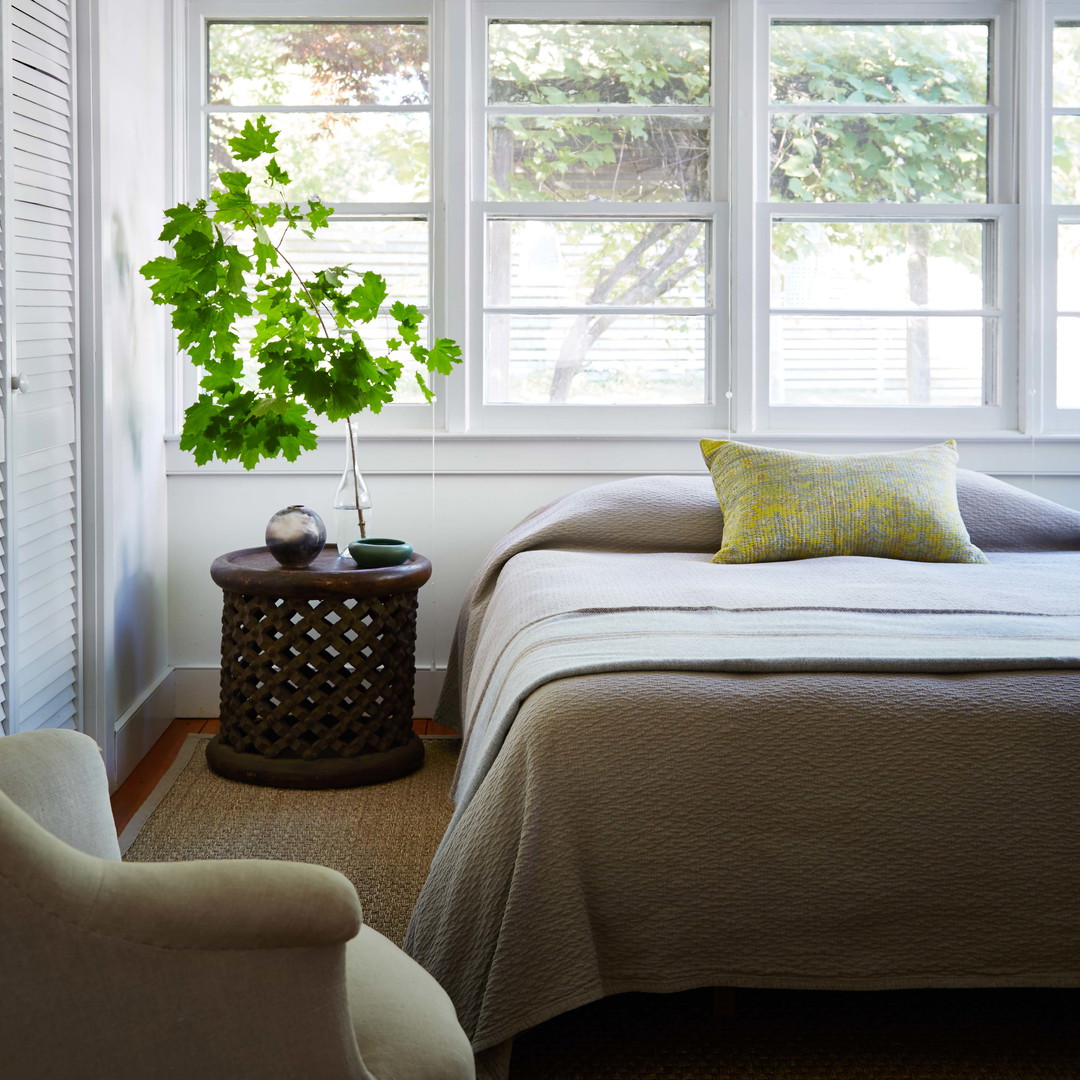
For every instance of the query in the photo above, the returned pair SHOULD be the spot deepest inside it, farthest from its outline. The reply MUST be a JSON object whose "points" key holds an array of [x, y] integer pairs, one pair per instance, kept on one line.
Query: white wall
{"points": [[482, 487], [124, 406], [216, 513]]}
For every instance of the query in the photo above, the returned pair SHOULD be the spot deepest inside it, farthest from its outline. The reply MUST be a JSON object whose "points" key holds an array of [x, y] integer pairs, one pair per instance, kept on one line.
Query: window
{"points": [[1065, 194], [778, 217], [887, 153], [599, 225], [351, 102]]}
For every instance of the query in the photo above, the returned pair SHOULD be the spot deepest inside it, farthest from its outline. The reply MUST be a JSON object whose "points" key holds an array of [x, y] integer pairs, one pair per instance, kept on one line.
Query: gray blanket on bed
{"points": [[554, 615], [681, 514], [845, 773]]}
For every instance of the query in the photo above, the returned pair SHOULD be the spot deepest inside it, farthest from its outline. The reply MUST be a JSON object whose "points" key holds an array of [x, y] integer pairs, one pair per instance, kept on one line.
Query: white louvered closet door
{"points": [[41, 476]]}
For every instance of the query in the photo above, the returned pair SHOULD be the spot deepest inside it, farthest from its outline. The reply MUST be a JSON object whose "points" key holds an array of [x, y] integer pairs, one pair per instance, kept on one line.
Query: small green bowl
{"points": [[379, 551]]}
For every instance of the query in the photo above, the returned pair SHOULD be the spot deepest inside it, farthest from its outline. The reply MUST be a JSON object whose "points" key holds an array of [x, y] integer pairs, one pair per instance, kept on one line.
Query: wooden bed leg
{"points": [[723, 1001]]}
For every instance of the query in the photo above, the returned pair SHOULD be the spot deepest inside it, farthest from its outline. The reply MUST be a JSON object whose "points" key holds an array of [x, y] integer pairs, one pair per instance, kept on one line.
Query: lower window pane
{"points": [[597, 359], [396, 249], [876, 360], [1068, 268], [858, 264], [1068, 362]]}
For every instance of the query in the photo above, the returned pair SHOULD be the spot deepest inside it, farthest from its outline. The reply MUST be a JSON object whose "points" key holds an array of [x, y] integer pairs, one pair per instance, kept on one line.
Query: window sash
{"points": [[758, 413], [418, 418], [554, 417]]}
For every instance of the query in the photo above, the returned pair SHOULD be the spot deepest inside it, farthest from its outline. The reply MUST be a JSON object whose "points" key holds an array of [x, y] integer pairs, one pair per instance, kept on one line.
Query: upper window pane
{"points": [[879, 157], [1065, 163], [1067, 66], [616, 159], [338, 63], [340, 157], [876, 63], [571, 63]]}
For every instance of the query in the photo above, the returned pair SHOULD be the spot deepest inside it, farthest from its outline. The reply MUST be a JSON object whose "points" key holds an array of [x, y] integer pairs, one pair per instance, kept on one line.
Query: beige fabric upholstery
{"points": [[59, 779], [401, 1040], [217, 970]]}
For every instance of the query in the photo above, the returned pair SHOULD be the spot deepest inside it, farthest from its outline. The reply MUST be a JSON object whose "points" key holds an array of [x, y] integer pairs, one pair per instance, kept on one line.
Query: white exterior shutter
{"points": [[42, 492]]}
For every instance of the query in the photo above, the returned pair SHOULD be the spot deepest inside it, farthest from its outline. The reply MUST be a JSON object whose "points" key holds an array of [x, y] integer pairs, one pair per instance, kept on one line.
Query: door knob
{"points": [[20, 383]]}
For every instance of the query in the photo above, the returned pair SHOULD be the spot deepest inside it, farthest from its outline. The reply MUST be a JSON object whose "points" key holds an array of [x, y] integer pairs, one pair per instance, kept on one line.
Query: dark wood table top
{"points": [[255, 572]]}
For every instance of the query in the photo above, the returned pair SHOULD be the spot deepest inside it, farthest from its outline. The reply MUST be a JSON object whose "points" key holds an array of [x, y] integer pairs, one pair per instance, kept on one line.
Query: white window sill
{"points": [[1005, 453]]}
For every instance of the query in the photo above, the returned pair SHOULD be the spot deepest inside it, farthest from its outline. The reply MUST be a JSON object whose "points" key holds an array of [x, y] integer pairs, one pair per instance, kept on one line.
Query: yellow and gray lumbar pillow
{"points": [[787, 504]]}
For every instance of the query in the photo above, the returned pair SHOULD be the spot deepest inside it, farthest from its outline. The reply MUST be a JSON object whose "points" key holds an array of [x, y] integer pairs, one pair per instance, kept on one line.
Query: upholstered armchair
{"points": [[226, 970]]}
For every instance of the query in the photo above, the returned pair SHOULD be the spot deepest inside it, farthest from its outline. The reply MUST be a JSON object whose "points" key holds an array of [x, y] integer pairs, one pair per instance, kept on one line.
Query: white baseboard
{"points": [[197, 691], [142, 725]]}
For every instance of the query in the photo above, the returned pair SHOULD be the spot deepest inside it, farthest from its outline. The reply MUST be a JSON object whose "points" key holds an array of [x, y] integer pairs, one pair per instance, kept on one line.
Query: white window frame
{"points": [[1055, 418], [404, 418], [594, 419], [1000, 210], [1024, 220]]}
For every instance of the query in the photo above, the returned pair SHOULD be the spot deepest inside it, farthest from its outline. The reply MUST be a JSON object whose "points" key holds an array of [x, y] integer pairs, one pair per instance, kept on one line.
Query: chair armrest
{"points": [[226, 904], [59, 779], [222, 904]]}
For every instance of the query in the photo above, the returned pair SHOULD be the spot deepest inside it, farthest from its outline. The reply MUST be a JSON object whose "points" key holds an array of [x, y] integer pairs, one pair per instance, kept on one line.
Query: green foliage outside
{"points": [[307, 358], [878, 157], [639, 157]]}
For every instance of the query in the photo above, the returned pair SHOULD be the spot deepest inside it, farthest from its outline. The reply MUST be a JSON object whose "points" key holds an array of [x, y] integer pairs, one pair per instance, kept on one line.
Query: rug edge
{"points": [[187, 750]]}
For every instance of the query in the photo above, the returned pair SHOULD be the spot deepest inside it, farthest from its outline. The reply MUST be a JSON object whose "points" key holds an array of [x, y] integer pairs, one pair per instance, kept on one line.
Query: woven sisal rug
{"points": [[383, 837]]}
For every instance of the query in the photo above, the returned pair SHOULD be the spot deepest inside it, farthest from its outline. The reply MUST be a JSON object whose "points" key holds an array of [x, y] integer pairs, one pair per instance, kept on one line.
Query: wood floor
{"points": [[131, 794]]}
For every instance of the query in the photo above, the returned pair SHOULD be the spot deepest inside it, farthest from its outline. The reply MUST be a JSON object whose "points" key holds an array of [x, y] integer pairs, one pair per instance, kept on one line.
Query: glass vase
{"points": [[351, 498]]}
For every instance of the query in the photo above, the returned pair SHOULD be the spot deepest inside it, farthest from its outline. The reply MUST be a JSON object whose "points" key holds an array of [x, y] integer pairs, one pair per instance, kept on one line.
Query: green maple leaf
{"points": [[408, 318], [184, 219], [318, 213], [236, 182], [367, 297], [276, 174], [425, 389], [255, 139], [199, 420], [443, 355]]}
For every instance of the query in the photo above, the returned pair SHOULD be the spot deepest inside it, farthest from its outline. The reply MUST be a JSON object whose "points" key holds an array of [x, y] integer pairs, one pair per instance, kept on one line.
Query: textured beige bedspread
{"points": [[658, 831]]}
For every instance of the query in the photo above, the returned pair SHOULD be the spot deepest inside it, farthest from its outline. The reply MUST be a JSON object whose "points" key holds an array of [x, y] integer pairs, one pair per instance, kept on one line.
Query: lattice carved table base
{"points": [[317, 691]]}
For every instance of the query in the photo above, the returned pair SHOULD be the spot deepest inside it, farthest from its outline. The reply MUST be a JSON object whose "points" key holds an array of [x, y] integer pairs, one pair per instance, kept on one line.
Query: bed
{"points": [[848, 773]]}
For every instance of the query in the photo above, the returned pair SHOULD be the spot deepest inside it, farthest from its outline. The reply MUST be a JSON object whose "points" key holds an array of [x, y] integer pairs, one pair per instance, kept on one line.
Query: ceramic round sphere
{"points": [[295, 536]]}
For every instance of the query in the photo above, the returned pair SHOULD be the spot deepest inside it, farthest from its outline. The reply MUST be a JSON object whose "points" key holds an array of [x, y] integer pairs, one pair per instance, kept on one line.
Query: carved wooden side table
{"points": [[317, 671]]}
